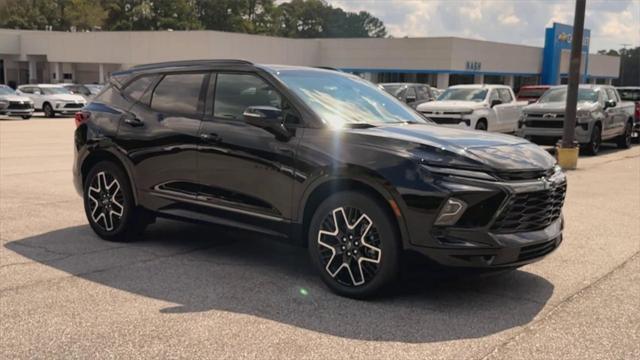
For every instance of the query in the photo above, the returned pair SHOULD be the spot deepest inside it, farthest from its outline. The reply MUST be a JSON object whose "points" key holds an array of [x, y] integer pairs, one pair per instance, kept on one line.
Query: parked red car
{"points": [[531, 93], [632, 93]]}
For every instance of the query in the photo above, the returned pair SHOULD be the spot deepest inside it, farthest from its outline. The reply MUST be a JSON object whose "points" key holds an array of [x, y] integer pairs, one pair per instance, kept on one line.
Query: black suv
{"points": [[321, 158]]}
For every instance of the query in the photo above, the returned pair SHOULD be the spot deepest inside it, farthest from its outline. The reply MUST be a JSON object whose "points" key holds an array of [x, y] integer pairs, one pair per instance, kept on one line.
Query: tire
{"points": [[624, 141], [26, 117], [348, 265], [48, 110], [593, 147], [109, 204], [481, 125]]}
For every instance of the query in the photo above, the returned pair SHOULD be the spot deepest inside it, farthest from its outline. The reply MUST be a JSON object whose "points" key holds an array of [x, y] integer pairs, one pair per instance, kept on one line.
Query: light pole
{"points": [[569, 157]]}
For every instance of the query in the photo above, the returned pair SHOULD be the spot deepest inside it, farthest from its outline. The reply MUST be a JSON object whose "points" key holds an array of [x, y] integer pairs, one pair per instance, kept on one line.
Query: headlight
{"points": [[583, 116], [3, 104], [473, 174]]}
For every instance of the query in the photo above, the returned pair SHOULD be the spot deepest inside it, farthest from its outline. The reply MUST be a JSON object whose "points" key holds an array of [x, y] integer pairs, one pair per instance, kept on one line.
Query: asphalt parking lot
{"points": [[188, 291]]}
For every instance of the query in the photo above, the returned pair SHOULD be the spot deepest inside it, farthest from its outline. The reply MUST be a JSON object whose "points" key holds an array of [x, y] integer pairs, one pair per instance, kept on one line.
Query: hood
{"points": [[14, 98], [557, 106], [444, 146], [67, 97], [450, 105]]}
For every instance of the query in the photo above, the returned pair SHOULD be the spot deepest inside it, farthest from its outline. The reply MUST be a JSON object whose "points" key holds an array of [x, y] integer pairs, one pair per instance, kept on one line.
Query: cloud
{"points": [[612, 23]]}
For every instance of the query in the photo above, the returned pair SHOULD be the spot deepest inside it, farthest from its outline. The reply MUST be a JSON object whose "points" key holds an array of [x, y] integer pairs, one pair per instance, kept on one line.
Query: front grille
{"points": [[531, 211], [16, 105], [524, 175], [549, 116], [537, 250], [549, 124], [448, 121], [73, 106]]}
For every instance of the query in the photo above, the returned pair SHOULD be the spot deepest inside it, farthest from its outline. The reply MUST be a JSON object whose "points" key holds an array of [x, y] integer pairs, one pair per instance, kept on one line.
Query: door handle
{"points": [[210, 137], [133, 121]]}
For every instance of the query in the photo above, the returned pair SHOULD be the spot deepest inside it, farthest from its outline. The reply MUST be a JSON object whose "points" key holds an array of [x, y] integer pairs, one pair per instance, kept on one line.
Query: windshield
{"points": [[54, 90], [94, 89], [394, 90], [560, 95], [341, 99], [629, 94], [464, 94], [78, 89], [5, 90]]}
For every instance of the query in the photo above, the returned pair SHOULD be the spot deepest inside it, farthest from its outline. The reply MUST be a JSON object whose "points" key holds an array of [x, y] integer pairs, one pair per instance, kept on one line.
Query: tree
{"points": [[151, 15], [86, 14]]}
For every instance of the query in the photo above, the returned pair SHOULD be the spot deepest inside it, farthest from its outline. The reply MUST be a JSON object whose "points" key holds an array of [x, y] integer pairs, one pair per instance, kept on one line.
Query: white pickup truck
{"points": [[481, 107]]}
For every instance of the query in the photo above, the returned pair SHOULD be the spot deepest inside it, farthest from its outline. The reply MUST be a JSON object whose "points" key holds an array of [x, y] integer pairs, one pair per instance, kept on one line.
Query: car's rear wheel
{"points": [[48, 110], [109, 205], [353, 243], [624, 140], [593, 147]]}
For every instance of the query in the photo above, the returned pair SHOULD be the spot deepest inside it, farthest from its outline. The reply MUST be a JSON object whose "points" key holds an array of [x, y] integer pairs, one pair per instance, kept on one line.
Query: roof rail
{"points": [[191, 63]]}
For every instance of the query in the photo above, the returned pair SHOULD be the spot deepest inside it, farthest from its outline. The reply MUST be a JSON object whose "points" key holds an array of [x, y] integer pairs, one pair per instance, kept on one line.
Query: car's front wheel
{"points": [[48, 110], [593, 147], [26, 117], [353, 243], [109, 205]]}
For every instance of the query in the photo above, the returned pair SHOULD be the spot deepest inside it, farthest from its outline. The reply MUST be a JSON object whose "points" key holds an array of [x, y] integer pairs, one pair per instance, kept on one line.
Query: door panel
{"points": [[160, 136], [245, 169]]}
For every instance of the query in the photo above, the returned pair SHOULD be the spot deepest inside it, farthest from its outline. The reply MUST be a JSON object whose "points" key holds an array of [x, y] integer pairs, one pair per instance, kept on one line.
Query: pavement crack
{"points": [[528, 328]]}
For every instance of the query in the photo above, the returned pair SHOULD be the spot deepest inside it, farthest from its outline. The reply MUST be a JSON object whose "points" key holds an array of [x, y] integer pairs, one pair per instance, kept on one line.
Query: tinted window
{"points": [[26, 90], [179, 93], [236, 92], [629, 94], [411, 93], [612, 94], [137, 88], [423, 93], [505, 95], [494, 95]]}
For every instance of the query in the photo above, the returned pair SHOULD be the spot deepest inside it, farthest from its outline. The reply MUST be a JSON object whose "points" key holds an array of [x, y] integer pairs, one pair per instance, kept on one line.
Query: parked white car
{"points": [[52, 99], [481, 107], [12, 104]]}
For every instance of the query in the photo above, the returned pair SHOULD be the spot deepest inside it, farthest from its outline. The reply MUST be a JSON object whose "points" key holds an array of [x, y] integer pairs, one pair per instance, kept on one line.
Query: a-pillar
{"points": [[478, 79], [442, 82], [609, 81]]}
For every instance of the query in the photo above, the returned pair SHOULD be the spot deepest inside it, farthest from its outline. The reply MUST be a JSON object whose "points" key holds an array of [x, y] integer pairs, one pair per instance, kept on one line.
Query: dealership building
{"points": [[89, 57]]}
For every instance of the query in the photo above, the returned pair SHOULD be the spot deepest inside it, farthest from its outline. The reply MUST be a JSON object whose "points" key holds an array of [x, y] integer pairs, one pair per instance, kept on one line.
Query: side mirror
{"points": [[495, 102], [268, 118], [609, 104]]}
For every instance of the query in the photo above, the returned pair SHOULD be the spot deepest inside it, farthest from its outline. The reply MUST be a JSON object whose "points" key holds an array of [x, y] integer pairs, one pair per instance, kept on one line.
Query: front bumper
{"points": [[17, 112], [511, 250], [583, 133]]}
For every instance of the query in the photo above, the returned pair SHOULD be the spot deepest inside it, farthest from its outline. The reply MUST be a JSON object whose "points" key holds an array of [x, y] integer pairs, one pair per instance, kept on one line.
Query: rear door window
{"points": [[179, 93]]}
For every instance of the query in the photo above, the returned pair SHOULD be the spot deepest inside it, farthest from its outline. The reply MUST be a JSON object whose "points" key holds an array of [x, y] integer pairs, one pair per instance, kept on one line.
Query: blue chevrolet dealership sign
{"points": [[558, 38]]}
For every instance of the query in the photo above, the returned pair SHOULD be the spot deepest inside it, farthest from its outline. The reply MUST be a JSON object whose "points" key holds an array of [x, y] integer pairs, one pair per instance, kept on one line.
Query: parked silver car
{"points": [[601, 116], [12, 104]]}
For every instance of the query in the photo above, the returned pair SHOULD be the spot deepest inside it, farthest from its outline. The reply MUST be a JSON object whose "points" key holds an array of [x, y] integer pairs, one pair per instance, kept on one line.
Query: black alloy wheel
{"points": [[109, 204], [352, 242]]}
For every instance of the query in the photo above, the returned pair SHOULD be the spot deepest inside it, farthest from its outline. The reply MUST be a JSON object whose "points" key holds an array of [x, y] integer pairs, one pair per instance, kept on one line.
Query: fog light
{"points": [[451, 212]]}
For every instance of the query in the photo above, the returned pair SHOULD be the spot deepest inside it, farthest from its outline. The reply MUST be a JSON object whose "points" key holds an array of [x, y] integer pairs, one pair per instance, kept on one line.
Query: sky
{"points": [[612, 22]]}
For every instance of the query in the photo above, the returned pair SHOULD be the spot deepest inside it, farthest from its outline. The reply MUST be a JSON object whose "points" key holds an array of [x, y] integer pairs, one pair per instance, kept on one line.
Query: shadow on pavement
{"points": [[212, 268]]}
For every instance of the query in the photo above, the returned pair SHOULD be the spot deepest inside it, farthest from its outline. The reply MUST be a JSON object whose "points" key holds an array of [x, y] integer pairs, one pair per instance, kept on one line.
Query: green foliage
{"points": [[298, 18]]}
